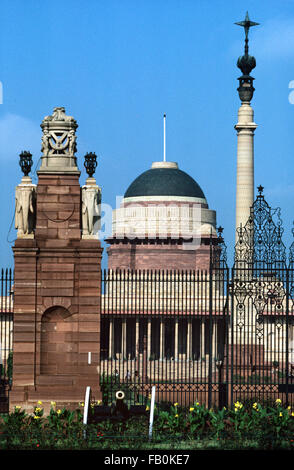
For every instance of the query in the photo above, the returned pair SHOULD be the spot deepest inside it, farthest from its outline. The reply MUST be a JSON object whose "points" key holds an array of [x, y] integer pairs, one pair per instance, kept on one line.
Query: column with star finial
{"points": [[245, 132]]}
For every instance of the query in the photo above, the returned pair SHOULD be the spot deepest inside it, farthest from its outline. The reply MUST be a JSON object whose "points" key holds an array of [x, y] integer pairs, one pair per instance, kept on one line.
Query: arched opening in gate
{"points": [[59, 348]]}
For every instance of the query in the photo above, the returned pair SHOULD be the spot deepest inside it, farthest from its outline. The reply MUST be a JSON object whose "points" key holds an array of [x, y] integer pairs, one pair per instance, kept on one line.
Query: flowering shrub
{"points": [[170, 420], [270, 426], [197, 419]]}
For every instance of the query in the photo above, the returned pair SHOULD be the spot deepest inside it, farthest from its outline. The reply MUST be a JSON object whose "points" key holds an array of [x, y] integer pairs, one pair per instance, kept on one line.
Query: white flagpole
{"points": [[164, 148]]}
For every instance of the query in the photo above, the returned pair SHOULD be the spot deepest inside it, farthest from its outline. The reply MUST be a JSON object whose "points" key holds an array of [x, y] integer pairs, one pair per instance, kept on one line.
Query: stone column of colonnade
{"points": [[190, 338]]}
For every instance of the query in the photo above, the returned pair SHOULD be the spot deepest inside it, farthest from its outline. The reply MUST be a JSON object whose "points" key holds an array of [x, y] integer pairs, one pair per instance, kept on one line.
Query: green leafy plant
{"points": [[248, 424], [218, 422], [198, 419]]}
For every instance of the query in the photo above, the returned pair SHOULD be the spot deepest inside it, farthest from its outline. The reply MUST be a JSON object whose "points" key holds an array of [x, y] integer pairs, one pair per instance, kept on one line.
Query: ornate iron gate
{"points": [[214, 337], [262, 361]]}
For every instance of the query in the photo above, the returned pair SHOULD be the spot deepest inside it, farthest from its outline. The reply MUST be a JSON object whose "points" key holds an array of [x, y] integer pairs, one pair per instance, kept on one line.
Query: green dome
{"points": [[164, 181]]}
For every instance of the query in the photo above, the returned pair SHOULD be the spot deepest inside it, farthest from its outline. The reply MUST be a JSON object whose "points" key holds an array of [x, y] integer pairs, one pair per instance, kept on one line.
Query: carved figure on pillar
{"points": [[25, 200], [91, 198], [25, 209], [72, 146], [45, 143]]}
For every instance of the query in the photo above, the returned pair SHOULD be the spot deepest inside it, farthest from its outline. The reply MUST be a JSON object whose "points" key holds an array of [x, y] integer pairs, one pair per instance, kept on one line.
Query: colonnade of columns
{"points": [[173, 338]]}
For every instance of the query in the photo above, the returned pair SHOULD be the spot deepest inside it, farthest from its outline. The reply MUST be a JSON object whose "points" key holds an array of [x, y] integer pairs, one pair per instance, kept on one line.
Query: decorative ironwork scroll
{"points": [[260, 240], [219, 251], [260, 257]]}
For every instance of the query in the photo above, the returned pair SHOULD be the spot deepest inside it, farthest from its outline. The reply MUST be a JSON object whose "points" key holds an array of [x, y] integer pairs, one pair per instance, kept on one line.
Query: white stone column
{"points": [[162, 339], [137, 339], [189, 340], [176, 339], [202, 338], [148, 339], [213, 339], [245, 163], [124, 339], [111, 340]]}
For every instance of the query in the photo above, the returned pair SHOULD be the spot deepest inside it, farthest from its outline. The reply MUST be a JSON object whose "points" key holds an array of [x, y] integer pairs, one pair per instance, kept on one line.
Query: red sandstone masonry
{"points": [[56, 272], [157, 256]]}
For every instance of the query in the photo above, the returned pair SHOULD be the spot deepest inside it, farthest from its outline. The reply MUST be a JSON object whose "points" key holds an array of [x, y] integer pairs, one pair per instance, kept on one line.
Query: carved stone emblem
{"points": [[59, 142]]}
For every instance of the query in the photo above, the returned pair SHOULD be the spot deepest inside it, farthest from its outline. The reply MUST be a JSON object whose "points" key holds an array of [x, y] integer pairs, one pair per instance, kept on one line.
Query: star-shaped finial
{"points": [[260, 189], [246, 24]]}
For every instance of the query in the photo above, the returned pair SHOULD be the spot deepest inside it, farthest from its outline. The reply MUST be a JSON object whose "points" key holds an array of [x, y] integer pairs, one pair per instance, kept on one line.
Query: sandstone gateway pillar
{"points": [[57, 275]]}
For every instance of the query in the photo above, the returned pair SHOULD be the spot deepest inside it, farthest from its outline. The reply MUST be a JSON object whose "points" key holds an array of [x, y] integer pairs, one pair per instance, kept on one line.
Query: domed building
{"points": [[162, 230], [164, 222]]}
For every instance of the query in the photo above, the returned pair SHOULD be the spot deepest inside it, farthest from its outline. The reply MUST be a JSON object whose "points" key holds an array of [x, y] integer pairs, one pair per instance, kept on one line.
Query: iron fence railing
{"points": [[214, 337], [6, 336]]}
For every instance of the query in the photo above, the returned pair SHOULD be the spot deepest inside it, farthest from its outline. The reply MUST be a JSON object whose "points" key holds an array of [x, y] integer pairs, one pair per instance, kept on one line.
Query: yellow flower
{"points": [[278, 401], [53, 403], [292, 414], [99, 402], [176, 404], [17, 407], [238, 406], [37, 417], [38, 410], [147, 408], [58, 412], [191, 409], [40, 403], [176, 416], [255, 406], [197, 404], [281, 414]]}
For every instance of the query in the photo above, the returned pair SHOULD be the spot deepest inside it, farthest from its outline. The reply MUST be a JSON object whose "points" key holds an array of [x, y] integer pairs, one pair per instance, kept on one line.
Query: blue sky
{"points": [[118, 65]]}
